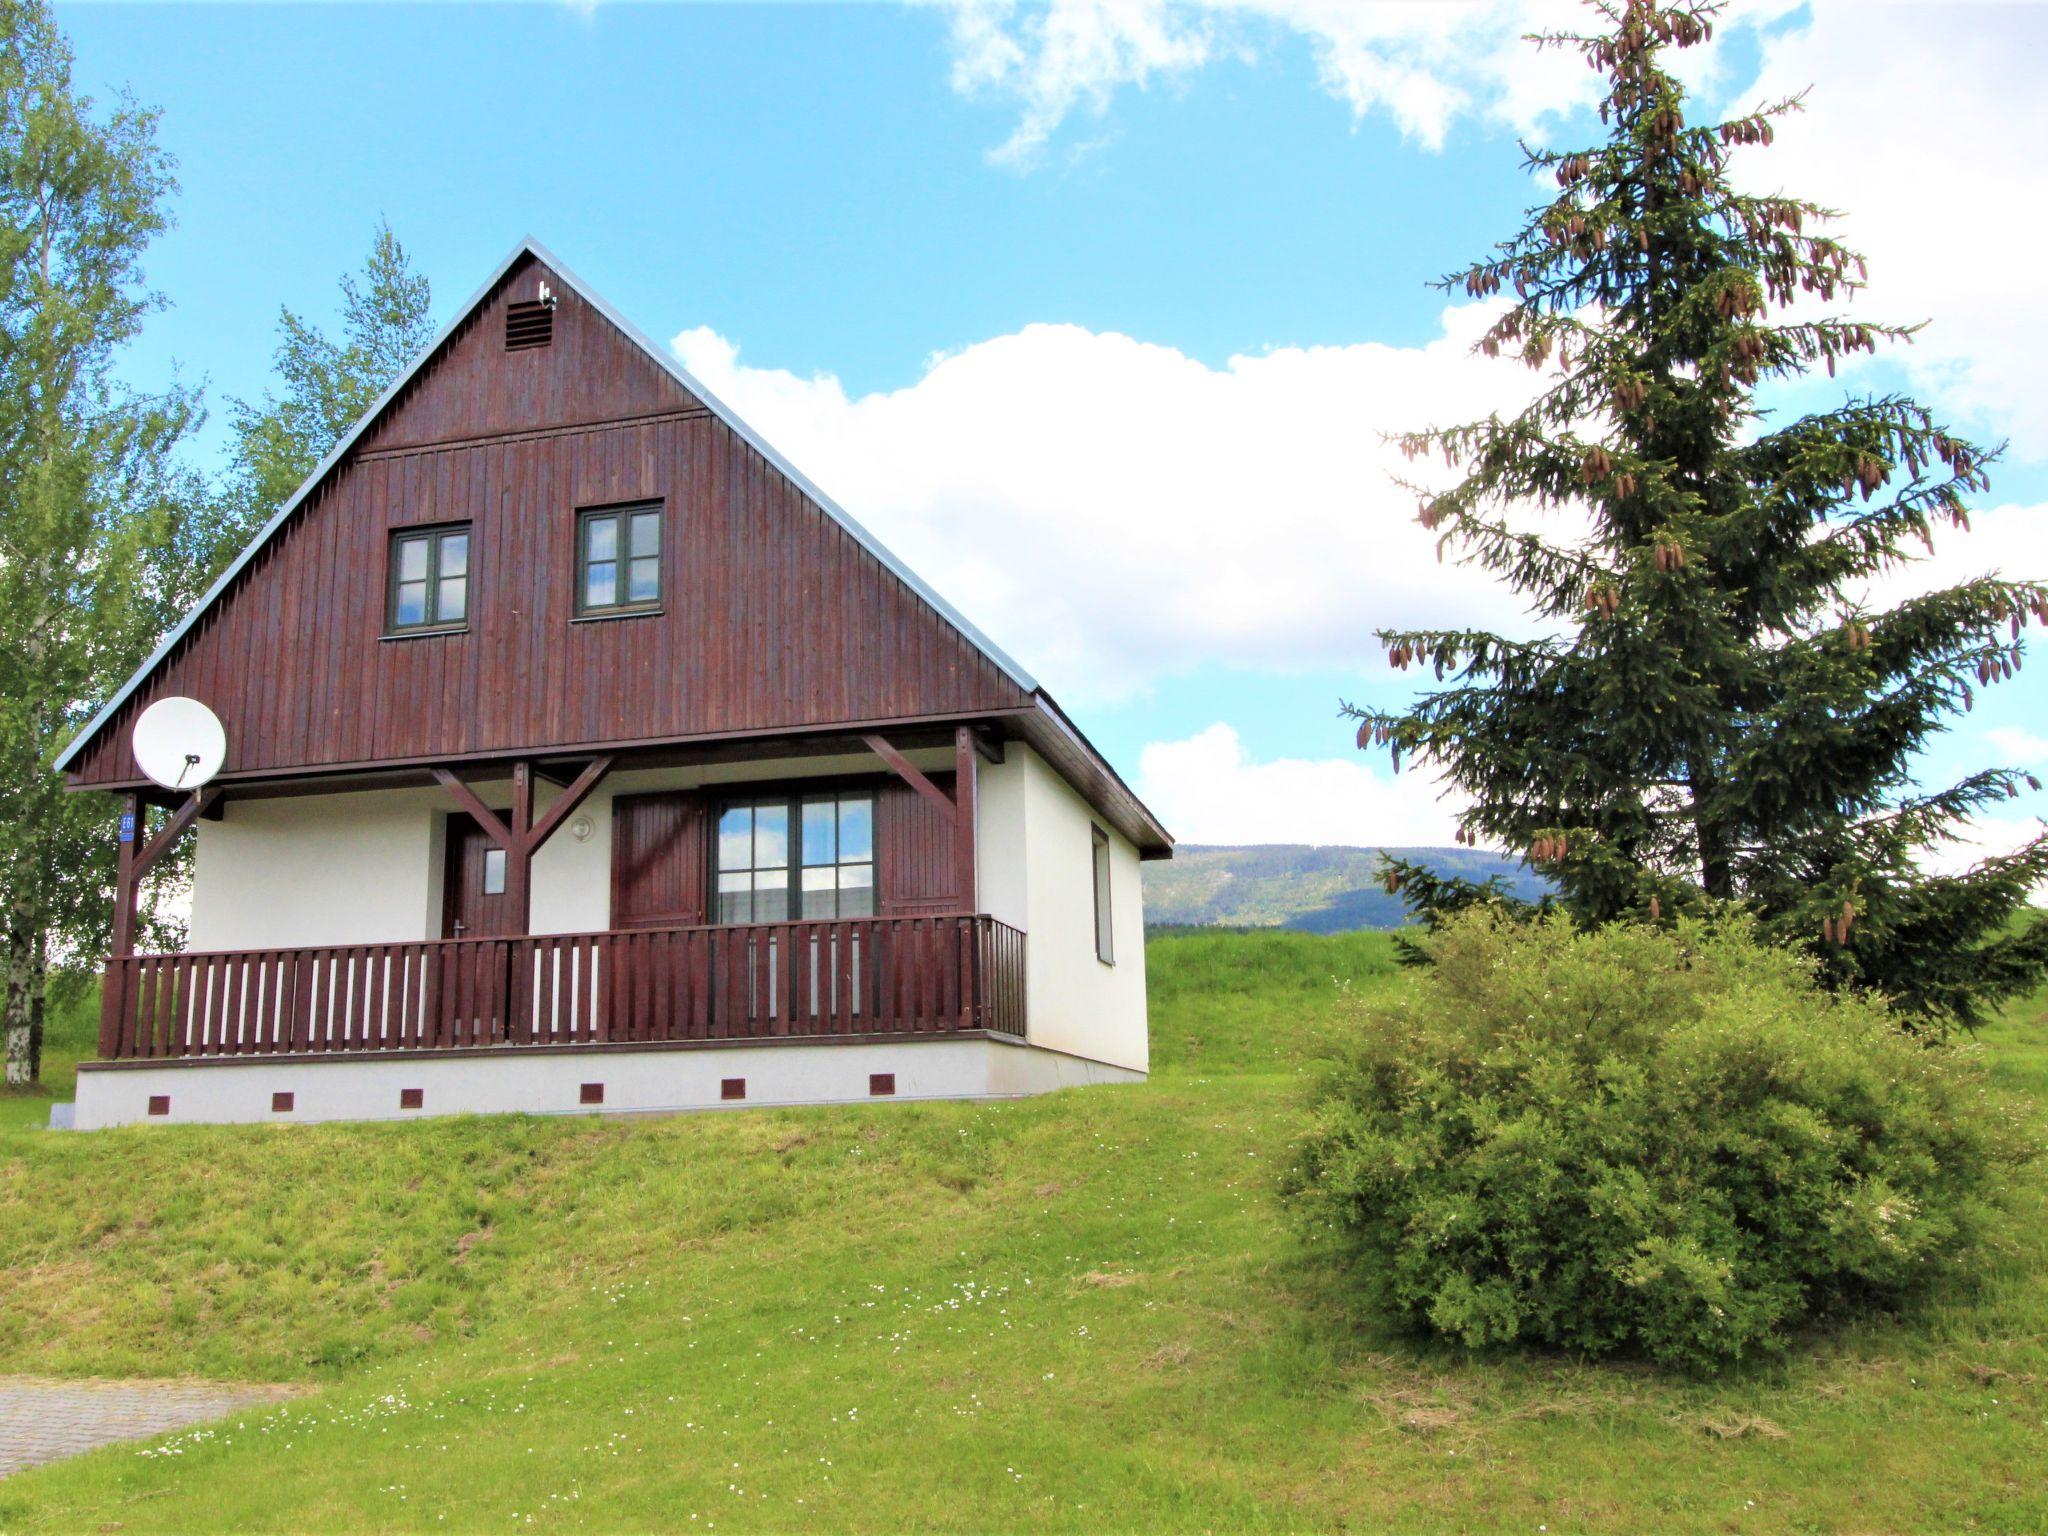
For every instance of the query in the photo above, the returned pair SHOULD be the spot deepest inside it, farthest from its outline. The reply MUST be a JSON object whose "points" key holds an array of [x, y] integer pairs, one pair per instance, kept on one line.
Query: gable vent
{"points": [[531, 324]]}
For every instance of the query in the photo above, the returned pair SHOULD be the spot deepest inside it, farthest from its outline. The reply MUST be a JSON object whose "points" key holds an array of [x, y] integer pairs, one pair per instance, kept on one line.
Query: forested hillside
{"points": [[1301, 886]]}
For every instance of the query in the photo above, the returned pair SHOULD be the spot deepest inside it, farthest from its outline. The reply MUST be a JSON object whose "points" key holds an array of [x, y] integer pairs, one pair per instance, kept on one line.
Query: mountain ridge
{"points": [[1307, 887]]}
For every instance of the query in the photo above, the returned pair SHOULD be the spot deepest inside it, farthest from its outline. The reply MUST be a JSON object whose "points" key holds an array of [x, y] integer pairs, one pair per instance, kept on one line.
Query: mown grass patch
{"points": [[1084, 1312]]}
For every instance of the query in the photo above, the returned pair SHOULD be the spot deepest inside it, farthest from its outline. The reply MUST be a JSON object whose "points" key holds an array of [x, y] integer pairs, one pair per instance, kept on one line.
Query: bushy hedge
{"points": [[1669, 1144]]}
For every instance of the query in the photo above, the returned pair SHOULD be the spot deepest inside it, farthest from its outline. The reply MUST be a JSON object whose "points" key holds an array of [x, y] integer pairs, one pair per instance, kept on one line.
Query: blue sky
{"points": [[1124, 288]]}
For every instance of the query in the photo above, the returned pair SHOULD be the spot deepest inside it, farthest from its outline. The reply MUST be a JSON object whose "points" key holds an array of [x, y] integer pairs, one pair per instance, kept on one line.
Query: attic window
{"points": [[529, 324]]}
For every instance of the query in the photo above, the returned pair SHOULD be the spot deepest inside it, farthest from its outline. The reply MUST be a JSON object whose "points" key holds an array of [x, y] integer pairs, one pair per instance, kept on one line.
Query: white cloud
{"points": [[1985, 837], [1925, 125], [1423, 62], [2018, 746], [1209, 789], [1115, 512]]}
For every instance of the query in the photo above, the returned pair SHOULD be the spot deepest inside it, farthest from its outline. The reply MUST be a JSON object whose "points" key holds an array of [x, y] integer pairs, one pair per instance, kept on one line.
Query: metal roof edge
{"points": [[1049, 707], [530, 246]]}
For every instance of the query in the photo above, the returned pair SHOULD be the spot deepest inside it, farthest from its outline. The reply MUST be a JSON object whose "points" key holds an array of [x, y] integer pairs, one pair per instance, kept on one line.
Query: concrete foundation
{"points": [[560, 1080]]}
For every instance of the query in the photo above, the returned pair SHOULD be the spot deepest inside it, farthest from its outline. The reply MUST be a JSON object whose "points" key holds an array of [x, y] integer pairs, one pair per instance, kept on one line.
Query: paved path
{"points": [[43, 1418]]}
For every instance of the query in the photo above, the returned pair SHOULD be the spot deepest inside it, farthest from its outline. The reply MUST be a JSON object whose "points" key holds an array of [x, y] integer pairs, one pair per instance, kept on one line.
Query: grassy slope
{"points": [[1075, 1313], [71, 1034]]}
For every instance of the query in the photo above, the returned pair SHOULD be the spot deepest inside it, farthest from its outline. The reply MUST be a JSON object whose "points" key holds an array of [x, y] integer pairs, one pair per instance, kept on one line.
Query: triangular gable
{"points": [[386, 425]]}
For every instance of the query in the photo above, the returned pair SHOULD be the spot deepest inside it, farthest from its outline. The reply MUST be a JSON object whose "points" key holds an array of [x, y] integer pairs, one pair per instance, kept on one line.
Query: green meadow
{"points": [[1084, 1312]]}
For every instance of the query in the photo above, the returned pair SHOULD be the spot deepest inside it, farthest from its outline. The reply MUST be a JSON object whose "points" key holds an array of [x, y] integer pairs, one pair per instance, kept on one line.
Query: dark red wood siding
{"points": [[914, 868], [775, 616], [661, 856], [660, 859]]}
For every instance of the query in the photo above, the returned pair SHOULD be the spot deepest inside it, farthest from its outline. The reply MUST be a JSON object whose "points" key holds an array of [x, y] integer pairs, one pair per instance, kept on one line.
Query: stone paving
{"points": [[43, 1418]]}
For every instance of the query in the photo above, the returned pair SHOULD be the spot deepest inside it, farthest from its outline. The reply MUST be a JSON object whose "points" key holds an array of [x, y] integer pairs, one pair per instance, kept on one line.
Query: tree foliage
{"points": [[1714, 715], [101, 529], [323, 385]]}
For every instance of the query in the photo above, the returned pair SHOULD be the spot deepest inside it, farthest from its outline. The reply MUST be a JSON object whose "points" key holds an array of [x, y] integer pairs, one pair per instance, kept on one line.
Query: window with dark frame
{"points": [[618, 560], [815, 851], [429, 579], [1105, 939]]}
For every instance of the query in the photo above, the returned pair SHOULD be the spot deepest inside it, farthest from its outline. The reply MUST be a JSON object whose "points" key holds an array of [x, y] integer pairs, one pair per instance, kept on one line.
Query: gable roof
{"points": [[662, 358]]}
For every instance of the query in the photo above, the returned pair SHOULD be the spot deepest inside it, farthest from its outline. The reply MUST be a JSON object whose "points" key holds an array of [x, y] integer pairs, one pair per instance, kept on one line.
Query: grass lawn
{"points": [[70, 1035], [1082, 1312]]}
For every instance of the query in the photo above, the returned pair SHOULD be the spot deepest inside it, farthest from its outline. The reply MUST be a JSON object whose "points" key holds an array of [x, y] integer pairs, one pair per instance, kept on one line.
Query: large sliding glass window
{"points": [[819, 849]]}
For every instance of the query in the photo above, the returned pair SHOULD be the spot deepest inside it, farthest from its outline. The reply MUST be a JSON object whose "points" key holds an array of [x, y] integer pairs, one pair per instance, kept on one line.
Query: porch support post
{"points": [[958, 806], [518, 831], [966, 797], [519, 850], [128, 875], [137, 854]]}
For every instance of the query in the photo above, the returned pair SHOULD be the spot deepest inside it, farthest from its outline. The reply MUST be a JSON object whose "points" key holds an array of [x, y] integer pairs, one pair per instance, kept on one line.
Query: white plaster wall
{"points": [[549, 1082], [999, 840], [319, 869], [1037, 874]]}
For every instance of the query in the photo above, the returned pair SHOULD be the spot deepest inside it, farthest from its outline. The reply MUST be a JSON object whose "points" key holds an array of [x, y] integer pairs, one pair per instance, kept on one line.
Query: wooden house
{"points": [[581, 753]]}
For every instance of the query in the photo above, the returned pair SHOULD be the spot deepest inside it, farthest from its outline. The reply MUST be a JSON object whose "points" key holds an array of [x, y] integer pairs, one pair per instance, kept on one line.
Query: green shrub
{"points": [[1640, 1141]]}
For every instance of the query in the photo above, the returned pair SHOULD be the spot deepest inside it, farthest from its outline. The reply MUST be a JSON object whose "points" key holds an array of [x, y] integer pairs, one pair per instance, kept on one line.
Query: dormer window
{"points": [[429, 579], [618, 560]]}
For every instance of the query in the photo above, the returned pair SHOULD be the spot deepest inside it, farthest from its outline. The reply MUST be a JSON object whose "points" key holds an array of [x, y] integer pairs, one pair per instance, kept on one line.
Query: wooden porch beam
{"points": [[908, 772], [190, 811], [519, 852], [571, 797], [486, 818]]}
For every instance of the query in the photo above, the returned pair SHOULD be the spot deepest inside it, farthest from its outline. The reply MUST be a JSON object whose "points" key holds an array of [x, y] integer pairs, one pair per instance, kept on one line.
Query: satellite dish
{"points": [[179, 743]]}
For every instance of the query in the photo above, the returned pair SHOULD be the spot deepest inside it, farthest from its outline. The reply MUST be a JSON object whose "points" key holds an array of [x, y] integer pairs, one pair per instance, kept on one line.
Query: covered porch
{"points": [[820, 886], [911, 976]]}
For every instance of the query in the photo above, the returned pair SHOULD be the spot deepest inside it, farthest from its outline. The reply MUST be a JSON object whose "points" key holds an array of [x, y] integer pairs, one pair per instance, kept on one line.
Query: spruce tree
{"points": [[1710, 716]]}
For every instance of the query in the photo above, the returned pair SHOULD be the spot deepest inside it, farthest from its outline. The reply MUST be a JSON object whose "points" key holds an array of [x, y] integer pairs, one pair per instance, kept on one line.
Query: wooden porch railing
{"points": [[755, 981]]}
